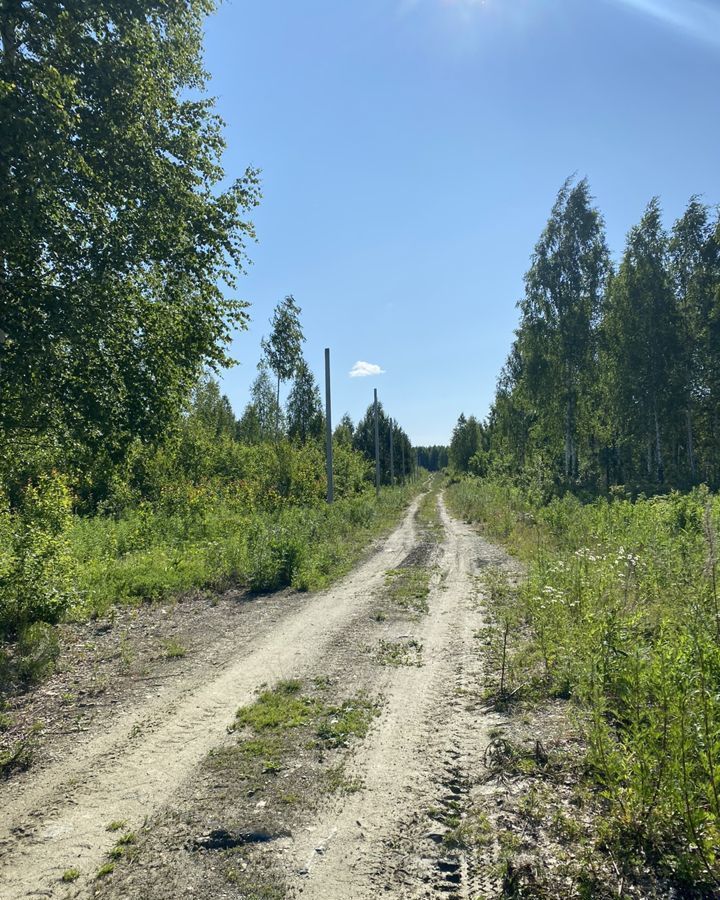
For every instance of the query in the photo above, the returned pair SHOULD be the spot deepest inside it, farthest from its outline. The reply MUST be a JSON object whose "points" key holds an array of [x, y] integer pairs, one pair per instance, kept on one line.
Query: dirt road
{"points": [[421, 757]]}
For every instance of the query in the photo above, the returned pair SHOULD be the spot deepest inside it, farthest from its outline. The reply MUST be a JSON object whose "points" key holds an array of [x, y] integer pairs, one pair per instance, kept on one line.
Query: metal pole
{"points": [[328, 430], [392, 457], [377, 448]]}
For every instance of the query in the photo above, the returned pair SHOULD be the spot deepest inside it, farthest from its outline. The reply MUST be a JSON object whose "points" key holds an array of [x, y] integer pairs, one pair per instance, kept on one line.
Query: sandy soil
{"points": [[138, 761]]}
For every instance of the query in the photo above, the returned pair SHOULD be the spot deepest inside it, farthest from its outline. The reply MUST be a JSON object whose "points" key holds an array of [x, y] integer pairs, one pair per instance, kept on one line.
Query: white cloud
{"points": [[363, 369], [696, 18]]}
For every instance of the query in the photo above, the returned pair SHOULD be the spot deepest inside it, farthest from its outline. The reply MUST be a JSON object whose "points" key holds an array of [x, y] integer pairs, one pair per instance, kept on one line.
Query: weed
{"points": [[107, 869], [399, 653], [70, 875], [619, 612], [277, 709], [338, 782], [470, 833], [21, 754], [351, 719], [174, 649], [409, 587], [116, 825]]}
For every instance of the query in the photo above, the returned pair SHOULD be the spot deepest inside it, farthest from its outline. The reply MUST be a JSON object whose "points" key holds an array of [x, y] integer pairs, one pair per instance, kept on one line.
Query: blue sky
{"points": [[411, 151]]}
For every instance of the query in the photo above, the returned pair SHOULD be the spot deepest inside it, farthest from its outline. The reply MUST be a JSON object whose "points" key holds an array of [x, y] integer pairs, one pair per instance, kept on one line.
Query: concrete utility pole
{"points": [[392, 456], [402, 453], [328, 430], [377, 448]]}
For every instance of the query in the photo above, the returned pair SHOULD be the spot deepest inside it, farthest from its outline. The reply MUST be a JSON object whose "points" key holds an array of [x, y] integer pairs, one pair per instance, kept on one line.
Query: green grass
{"points": [[620, 614], [409, 588], [174, 649], [281, 708], [70, 875], [151, 553]]}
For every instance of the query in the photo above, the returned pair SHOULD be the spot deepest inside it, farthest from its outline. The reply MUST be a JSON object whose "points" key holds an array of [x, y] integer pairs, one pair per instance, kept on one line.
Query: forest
{"points": [[613, 377], [554, 568]]}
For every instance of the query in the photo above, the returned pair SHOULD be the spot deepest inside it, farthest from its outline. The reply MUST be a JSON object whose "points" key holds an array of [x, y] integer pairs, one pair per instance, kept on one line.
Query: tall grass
{"points": [[621, 606], [151, 553]]}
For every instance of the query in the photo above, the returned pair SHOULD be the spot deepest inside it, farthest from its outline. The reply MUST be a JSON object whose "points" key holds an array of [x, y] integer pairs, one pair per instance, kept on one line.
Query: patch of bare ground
{"points": [[139, 750], [117, 662]]}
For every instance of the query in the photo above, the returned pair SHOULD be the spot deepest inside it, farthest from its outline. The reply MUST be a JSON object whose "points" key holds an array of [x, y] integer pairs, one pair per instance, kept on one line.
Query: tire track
{"points": [[418, 766], [126, 773]]}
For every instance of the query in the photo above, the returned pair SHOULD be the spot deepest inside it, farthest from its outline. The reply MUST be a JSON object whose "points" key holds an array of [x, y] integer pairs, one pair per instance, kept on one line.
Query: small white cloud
{"points": [[363, 369]]}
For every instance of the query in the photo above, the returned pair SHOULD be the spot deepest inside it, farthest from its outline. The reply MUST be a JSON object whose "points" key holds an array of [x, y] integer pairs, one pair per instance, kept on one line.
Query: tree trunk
{"points": [[569, 437]]}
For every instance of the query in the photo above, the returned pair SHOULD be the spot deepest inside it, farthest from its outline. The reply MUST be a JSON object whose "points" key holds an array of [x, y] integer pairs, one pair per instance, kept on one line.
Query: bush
{"points": [[36, 567]]}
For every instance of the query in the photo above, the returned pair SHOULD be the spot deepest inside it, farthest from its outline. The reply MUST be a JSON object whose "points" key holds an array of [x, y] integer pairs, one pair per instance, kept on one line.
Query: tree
{"points": [[642, 347], [364, 441], [467, 440], [694, 260], [563, 291], [283, 349], [262, 417], [304, 407], [212, 409], [116, 238], [344, 431]]}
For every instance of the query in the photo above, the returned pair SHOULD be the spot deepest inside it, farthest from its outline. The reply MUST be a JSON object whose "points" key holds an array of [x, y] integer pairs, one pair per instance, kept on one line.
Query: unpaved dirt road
{"points": [[422, 756]]}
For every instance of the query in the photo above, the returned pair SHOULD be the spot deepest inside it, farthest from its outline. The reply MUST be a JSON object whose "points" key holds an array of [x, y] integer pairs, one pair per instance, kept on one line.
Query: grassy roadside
{"points": [[150, 555], [614, 639]]}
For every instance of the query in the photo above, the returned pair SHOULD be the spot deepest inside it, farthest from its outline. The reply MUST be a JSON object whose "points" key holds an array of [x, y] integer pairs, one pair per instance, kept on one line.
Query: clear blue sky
{"points": [[411, 151]]}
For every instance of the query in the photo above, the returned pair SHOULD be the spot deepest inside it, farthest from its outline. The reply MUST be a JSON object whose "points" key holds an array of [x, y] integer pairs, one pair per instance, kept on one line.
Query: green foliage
{"points": [[622, 609], [304, 407], [268, 528], [467, 445], [363, 439], [117, 234], [36, 567], [432, 458], [613, 377]]}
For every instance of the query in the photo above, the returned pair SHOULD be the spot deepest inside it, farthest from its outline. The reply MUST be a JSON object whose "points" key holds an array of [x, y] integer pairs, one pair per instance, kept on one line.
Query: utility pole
{"points": [[392, 456], [328, 430], [377, 448], [402, 452]]}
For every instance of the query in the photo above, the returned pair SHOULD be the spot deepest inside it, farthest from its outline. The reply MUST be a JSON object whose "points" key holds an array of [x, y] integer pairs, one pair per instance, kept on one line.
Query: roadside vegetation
{"points": [[596, 467], [619, 615]]}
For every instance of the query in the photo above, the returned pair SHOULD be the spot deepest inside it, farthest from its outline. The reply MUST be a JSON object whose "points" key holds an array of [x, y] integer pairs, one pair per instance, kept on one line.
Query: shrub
{"points": [[36, 567]]}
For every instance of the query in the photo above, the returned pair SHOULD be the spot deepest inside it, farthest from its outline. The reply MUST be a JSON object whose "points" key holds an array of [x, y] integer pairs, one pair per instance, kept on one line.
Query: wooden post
{"points": [[328, 431]]}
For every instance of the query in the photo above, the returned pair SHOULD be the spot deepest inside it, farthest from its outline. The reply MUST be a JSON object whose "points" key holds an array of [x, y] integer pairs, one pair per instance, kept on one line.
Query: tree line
{"points": [[614, 374], [302, 418]]}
